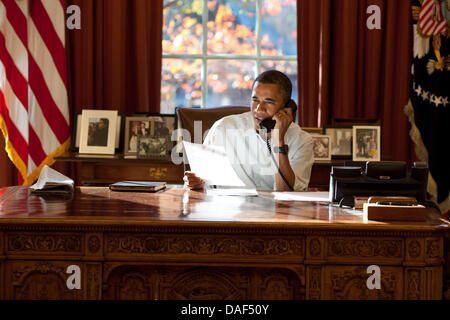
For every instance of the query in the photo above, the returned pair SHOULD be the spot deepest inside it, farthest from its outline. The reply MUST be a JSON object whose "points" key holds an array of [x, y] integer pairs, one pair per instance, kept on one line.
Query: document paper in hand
{"points": [[212, 165]]}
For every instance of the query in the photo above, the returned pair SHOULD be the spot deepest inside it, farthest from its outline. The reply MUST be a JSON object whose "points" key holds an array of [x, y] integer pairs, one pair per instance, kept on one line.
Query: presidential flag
{"points": [[429, 105], [34, 113]]}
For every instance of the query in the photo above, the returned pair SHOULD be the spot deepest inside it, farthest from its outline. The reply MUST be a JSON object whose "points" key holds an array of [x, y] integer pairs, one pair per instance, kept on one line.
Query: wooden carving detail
{"points": [[203, 246], [93, 244], [157, 173], [70, 243], [314, 247], [413, 284], [365, 248], [315, 285], [350, 283], [278, 284], [130, 282], [93, 282], [433, 248], [414, 249], [135, 286], [42, 281], [204, 284]]}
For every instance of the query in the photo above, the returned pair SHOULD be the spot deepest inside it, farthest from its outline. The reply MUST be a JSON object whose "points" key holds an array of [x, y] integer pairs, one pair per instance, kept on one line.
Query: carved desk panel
{"points": [[179, 244]]}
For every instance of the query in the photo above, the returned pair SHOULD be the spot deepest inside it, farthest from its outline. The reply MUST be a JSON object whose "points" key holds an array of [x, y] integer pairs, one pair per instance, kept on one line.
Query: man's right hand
{"points": [[192, 181]]}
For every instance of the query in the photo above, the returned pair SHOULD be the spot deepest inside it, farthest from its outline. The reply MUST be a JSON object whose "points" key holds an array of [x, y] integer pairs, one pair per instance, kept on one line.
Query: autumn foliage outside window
{"points": [[212, 50]]}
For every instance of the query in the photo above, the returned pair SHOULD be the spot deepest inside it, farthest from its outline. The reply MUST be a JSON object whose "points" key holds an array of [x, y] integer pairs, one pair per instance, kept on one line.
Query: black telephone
{"points": [[268, 124]]}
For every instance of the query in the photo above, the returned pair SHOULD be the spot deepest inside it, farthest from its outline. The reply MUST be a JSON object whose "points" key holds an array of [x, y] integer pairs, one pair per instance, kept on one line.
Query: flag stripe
{"points": [[17, 112], [51, 39], [35, 148], [57, 16], [19, 83], [50, 110], [40, 125], [41, 56], [13, 134], [17, 19], [14, 45]]}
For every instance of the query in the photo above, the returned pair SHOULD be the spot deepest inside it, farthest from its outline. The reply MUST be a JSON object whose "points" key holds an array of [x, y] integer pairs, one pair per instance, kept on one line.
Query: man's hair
{"points": [[279, 78]]}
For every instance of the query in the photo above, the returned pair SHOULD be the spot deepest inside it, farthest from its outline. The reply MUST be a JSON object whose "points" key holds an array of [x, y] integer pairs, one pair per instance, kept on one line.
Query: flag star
{"points": [[437, 101], [445, 101], [425, 95], [418, 91]]}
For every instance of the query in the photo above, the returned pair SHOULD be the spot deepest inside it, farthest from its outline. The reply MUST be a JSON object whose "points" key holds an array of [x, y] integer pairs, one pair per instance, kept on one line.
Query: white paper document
{"points": [[52, 181], [212, 165], [303, 196]]}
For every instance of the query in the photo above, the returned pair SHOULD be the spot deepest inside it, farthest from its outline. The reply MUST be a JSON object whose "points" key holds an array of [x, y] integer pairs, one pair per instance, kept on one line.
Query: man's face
{"points": [[266, 101]]}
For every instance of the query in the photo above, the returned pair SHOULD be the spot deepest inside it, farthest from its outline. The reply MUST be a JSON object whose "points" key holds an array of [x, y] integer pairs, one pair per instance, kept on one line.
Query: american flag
{"points": [[431, 20], [34, 113]]}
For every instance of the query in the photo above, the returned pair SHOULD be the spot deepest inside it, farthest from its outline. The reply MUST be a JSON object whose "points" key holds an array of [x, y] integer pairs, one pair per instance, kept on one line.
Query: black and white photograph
{"points": [[366, 143], [340, 142], [321, 147], [149, 137]]}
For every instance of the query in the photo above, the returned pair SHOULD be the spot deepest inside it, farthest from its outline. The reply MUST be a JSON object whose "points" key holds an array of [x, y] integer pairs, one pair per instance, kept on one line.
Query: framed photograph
{"points": [[98, 131], [76, 135], [340, 142], [321, 147], [149, 137], [366, 143], [313, 130]]}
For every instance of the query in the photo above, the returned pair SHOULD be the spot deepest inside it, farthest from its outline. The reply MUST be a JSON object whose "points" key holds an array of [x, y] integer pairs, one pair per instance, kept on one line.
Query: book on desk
{"points": [[142, 186]]}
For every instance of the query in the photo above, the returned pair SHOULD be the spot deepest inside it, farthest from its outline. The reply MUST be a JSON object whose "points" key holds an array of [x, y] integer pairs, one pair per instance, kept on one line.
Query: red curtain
{"points": [[349, 71], [114, 62]]}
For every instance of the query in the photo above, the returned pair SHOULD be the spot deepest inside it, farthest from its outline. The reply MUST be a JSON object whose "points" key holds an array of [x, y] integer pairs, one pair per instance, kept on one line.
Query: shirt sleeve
{"points": [[302, 160]]}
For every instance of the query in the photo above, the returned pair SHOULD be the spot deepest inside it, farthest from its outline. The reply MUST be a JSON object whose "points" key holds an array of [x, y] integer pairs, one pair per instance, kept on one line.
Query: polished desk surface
{"points": [[177, 206]]}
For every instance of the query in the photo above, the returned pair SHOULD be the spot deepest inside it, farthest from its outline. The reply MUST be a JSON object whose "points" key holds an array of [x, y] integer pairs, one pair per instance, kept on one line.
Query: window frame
{"points": [[205, 57]]}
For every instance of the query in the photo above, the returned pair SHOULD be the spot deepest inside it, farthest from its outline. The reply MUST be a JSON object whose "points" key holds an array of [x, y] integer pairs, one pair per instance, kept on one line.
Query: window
{"points": [[213, 50]]}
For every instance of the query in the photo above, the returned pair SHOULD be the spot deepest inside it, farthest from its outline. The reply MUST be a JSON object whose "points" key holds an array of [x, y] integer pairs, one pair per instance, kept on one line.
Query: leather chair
{"points": [[207, 116]]}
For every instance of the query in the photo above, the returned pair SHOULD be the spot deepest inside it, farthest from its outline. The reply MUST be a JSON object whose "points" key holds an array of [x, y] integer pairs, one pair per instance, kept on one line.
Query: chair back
{"points": [[207, 116]]}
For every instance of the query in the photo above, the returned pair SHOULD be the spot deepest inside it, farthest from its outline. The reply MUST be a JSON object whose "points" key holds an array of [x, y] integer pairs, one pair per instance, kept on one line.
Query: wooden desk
{"points": [[179, 244], [104, 171]]}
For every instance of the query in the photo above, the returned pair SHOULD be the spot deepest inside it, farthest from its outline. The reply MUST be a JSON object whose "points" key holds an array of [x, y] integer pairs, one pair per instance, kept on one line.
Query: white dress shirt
{"points": [[249, 154]]}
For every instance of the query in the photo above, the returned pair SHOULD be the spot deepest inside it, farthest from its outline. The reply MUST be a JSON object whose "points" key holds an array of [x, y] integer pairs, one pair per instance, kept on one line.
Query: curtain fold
{"points": [[349, 71]]}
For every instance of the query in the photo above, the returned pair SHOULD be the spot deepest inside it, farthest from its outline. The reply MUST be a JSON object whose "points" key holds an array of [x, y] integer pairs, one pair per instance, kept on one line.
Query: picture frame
{"points": [[366, 143], [149, 137], [313, 130], [341, 141], [321, 147], [98, 131], [76, 136]]}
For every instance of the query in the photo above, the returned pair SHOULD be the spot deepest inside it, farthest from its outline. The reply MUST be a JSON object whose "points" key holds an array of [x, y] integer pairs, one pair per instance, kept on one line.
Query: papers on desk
{"points": [[212, 165], [302, 196], [232, 192], [51, 181]]}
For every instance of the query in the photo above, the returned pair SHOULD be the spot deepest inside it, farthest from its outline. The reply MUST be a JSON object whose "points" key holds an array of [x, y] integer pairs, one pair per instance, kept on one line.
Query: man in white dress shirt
{"points": [[280, 160]]}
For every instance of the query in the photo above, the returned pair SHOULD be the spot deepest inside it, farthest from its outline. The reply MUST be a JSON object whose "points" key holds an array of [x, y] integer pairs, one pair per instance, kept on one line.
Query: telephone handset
{"points": [[268, 124]]}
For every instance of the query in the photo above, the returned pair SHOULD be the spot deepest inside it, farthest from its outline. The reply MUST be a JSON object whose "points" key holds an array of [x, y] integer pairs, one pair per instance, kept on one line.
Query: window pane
{"points": [[181, 84], [230, 82], [231, 27], [182, 27], [289, 68], [279, 28]]}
